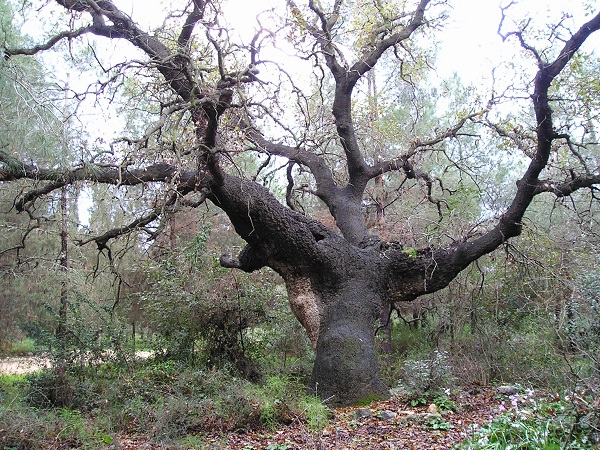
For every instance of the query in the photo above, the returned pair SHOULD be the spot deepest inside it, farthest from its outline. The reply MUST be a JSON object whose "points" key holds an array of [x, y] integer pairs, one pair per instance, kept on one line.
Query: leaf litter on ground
{"points": [[410, 427]]}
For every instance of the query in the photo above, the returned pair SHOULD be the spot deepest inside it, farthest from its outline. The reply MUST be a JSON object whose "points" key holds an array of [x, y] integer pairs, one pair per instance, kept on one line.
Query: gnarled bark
{"points": [[307, 305]]}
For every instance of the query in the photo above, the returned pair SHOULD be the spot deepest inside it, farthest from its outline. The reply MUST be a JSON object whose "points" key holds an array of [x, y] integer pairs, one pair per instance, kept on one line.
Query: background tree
{"points": [[33, 121], [207, 99]]}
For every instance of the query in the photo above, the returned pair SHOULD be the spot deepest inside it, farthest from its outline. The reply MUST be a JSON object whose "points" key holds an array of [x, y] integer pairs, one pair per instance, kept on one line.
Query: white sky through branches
{"points": [[470, 46], [470, 43]]}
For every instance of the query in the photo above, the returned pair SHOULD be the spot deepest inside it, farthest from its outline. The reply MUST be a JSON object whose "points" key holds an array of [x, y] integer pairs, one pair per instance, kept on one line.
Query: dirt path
{"points": [[17, 365]]}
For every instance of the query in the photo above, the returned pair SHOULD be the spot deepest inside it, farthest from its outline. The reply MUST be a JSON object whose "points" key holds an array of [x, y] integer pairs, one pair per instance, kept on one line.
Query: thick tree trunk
{"points": [[346, 369]]}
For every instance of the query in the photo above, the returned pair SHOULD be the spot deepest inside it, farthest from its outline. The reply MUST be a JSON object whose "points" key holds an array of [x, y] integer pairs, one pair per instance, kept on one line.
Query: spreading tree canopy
{"points": [[363, 127]]}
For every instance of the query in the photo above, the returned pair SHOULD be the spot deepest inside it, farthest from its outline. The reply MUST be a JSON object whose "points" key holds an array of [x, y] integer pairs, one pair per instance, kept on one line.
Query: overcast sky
{"points": [[471, 45]]}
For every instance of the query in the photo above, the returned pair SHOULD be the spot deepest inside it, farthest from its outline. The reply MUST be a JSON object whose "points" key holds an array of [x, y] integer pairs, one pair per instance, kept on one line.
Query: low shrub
{"points": [[315, 413], [426, 377], [170, 401], [25, 428]]}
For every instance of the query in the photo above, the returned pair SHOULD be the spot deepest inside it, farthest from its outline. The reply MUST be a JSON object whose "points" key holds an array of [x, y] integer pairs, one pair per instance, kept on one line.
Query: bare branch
{"points": [[571, 46], [403, 162], [369, 58], [574, 151], [174, 68], [21, 244], [342, 105], [566, 188], [34, 194], [510, 224], [48, 44], [290, 187], [102, 240], [322, 36], [317, 165], [193, 18], [109, 175]]}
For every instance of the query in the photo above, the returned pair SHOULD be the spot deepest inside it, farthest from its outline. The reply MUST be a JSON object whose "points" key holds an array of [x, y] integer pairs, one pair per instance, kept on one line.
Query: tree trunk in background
{"points": [[385, 328], [63, 392], [64, 267]]}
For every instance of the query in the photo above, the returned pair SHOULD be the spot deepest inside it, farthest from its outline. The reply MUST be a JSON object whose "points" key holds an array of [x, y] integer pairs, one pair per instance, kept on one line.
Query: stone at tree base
{"points": [[388, 415], [507, 390], [363, 413]]}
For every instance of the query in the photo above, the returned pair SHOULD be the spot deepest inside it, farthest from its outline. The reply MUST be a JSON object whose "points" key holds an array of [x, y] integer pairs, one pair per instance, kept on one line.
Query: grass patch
{"points": [[282, 400], [20, 348]]}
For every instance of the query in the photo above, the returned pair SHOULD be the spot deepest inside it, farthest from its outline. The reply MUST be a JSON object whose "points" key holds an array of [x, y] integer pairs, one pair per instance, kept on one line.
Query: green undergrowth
{"points": [[25, 427], [22, 347], [567, 422], [166, 399]]}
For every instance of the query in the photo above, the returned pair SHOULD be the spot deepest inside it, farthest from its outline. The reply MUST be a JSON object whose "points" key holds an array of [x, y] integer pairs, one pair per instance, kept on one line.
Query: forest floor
{"points": [[415, 428], [390, 424]]}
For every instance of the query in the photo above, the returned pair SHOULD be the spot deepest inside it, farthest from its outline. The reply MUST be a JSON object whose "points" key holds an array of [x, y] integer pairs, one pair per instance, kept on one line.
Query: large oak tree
{"points": [[216, 99]]}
